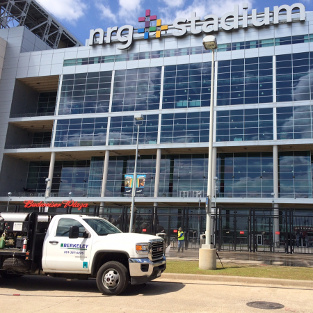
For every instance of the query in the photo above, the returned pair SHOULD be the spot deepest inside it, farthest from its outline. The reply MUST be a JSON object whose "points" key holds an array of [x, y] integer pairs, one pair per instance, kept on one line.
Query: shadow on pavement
{"points": [[51, 285], [154, 288]]}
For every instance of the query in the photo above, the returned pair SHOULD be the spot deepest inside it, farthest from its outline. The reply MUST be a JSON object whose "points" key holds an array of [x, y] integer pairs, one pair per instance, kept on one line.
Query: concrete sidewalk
{"points": [[308, 284], [299, 260]]}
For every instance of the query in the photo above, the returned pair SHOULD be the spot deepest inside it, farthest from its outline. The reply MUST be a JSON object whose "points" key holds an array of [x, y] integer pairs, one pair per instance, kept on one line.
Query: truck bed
{"points": [[12, 251]]}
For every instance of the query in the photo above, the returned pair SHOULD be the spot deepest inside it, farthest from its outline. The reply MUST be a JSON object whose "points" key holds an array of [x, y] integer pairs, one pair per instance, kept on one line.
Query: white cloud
{"points": [[106, 12], [129, 9], [130, 5], [174, 3], [222, 7], [125, 10], [69, 10], [202, 8]]}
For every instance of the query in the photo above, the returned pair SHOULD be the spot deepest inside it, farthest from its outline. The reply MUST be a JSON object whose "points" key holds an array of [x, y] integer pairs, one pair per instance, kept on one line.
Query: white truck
{"points": [[78, 246]]}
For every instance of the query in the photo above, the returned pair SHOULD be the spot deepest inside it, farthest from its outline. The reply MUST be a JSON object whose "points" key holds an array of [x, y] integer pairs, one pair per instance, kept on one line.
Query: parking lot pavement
{"points": [[39, 294]]}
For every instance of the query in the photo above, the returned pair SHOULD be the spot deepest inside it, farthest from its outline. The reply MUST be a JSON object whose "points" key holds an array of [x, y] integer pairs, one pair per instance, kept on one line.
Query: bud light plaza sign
{"points": [[195, 25]]}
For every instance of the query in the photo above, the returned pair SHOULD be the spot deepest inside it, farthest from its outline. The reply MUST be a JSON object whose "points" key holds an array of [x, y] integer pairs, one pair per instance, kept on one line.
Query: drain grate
{"points": [[265, 305]]}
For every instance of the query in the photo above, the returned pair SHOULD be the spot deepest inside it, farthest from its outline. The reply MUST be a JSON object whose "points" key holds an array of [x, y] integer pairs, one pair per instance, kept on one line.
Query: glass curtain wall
{"points": [[294, 76], [295, 175], [183, 175], [245, 81], [245, 175], [120, 167], [81, 132], [137, 89], [85, 93], [123, 130], [187, 86], [244, 125]]}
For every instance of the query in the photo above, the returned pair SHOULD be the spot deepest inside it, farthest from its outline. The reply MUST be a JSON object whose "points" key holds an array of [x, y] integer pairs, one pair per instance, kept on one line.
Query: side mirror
{"points": [[74, 232]]}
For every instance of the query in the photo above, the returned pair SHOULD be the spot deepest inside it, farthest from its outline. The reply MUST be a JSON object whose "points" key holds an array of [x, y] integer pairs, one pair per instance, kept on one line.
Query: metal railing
{"points": [[31, 145], [16, 115]]}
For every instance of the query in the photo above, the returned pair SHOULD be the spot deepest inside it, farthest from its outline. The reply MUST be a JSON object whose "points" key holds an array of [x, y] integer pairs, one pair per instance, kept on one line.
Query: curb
{"points": [[304, 284]]}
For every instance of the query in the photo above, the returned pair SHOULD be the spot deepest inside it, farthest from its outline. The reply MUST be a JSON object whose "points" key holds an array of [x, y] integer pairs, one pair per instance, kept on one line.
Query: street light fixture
{"points": [[9, 196], [207, 254], [138, 118]]}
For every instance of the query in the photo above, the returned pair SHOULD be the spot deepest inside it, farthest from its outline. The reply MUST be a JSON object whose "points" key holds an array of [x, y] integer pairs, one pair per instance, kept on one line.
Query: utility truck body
{"points": [[78, 246]]}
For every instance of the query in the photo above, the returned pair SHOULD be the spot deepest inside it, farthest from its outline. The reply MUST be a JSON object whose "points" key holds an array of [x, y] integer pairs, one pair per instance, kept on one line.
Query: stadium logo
{"points": [[195, 25], [149, 21]]}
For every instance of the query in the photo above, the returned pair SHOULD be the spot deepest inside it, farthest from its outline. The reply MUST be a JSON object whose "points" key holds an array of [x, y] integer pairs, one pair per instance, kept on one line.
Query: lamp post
{"points": [[70, 199], [199, 216], [47, 193], [207, 254], [214, 211], [276, 233], [9, 196], [138, 118]]}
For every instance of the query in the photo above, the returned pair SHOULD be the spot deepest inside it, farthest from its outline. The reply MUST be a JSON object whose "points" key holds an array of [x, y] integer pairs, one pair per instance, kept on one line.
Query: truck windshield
{"points": [[102, 227]]}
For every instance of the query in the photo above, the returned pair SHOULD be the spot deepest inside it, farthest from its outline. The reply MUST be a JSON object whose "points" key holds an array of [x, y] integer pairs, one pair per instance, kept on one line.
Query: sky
{"points": [[79, 16]]}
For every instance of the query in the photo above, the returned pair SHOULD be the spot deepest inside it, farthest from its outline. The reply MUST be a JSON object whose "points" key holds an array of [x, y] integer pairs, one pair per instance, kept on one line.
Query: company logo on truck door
{"points": [[74, 246], [195, 25]]}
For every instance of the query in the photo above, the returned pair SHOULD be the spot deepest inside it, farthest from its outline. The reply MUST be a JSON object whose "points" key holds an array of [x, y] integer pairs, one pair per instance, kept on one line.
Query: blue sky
{"points": [[79, 16]]}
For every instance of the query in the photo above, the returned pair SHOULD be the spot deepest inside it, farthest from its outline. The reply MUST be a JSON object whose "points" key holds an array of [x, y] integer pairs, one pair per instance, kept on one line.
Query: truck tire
{"points": [[112, 278]]}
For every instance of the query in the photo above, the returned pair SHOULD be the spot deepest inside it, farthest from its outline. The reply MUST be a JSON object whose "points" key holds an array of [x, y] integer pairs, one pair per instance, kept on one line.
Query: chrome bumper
{"points": [[142, 269]]}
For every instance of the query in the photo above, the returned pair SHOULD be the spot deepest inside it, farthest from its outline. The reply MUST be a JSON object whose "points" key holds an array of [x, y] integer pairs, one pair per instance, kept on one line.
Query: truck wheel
{"points": [[112, 278]]}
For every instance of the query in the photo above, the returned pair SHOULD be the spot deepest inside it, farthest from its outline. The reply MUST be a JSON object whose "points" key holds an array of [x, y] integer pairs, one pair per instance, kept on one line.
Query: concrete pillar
{"points": [[50, 175], [156, 188], [157, 173], [104, 181], [49, 182]]}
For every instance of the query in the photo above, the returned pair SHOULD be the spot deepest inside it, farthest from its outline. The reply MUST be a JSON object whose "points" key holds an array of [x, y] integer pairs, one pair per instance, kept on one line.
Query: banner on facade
{"points": [[140, 183]]}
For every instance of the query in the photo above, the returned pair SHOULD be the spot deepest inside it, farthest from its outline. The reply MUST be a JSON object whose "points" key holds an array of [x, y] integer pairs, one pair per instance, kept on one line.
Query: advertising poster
{"points": [[140, 183], [128, 183]]}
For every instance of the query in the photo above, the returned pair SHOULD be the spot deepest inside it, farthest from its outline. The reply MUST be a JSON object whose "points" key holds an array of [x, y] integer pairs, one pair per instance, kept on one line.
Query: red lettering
{"points": [[74, 204], [67, 203], [28, 203]]}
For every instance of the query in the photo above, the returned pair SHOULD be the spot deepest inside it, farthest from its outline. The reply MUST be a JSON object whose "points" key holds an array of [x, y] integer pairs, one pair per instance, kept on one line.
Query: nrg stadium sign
{"points": [[210, 23]]}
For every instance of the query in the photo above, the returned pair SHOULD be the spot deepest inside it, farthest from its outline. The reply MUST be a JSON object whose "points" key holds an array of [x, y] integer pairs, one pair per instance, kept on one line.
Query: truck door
{"points": [[64, 254]]}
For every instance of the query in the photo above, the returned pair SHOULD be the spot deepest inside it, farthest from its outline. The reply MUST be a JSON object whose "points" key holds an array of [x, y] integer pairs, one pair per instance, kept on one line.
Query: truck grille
{"points": [[156, 250]]}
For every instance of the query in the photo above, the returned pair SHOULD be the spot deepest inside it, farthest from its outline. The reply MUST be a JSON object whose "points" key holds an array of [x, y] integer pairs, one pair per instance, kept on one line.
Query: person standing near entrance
{"points": [[181, 239]]}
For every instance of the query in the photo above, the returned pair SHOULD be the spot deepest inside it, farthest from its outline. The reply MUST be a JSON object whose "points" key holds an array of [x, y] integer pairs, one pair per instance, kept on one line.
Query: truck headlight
{"points": [[142, 248]]}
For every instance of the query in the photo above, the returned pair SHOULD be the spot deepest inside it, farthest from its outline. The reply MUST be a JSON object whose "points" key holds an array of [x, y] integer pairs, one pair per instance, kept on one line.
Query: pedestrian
{"points": [[297, 239], [181, 239]]}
